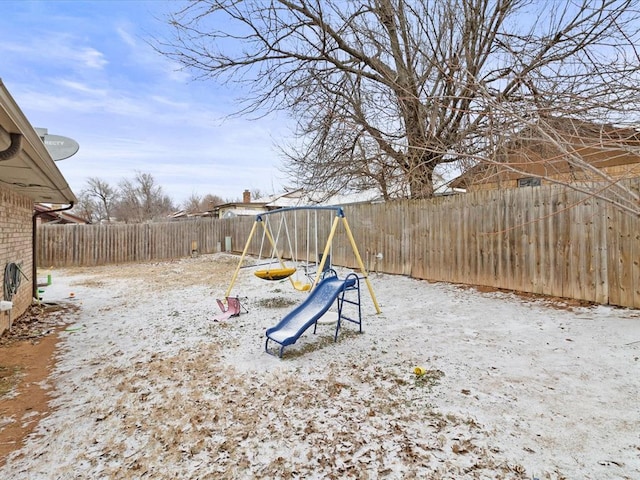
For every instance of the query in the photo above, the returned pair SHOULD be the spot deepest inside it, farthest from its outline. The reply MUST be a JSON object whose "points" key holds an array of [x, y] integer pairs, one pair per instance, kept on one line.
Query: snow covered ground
{"points": [[147, 385]]}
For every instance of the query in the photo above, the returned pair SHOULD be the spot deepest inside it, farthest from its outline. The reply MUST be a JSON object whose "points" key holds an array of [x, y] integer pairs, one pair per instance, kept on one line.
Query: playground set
{"points": [[319, 278]]}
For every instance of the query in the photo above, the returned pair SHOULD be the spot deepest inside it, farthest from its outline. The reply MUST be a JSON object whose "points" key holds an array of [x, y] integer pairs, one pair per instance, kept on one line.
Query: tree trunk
{"points": [[420, 173]]}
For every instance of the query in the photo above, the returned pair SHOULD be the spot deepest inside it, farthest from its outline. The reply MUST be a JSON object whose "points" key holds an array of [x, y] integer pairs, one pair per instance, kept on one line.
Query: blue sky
{"points": [[83, 69]]}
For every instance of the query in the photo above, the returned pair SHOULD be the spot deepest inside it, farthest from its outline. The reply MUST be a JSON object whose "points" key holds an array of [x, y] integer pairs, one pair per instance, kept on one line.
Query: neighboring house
{"points": [[238, 209], [564, 150], [28, 175], [226, 210], [52, 215], [301, 198], [290, 198]]}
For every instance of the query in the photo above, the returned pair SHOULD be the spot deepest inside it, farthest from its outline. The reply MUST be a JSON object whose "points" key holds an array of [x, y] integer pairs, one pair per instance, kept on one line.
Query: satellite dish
{"points": [[60, 147]]}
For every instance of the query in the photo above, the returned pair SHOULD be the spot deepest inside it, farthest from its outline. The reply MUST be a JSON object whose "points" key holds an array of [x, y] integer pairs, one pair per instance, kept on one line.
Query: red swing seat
{"points": [[232, 310]]}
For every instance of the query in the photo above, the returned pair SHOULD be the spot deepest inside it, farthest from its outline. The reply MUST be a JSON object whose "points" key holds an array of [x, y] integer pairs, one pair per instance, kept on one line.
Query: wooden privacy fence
{"points": [[542, 240], [88, 245], [545, 240]]}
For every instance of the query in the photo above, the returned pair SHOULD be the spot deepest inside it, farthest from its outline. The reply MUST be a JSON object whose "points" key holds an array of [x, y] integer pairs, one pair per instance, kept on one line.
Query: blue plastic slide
{"points": [[294, 324]]}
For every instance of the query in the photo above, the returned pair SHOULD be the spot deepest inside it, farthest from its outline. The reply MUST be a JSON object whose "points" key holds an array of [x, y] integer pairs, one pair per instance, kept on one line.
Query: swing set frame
{"points": [[339, 218]]}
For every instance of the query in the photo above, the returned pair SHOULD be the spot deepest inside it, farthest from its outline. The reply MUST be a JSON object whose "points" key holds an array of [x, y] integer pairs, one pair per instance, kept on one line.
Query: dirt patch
{"points": [[276, 302], [26, 360], [554, 302]]}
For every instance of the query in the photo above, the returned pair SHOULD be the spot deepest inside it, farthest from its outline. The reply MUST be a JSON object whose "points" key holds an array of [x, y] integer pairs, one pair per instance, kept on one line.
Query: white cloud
{"points": [[81, 87], [145, 56], [58, 49], [170, 103], [125, 36], [91, 57]]}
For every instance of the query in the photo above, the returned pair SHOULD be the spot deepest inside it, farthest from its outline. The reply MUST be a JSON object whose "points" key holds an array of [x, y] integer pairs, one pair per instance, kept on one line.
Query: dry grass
{"points": [[218, 419], [275, 302], [9, 377], [160, 276]]}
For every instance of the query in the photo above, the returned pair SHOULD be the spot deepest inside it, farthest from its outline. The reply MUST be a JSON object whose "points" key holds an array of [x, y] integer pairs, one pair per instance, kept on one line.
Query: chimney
{"points": [[246, 196]]}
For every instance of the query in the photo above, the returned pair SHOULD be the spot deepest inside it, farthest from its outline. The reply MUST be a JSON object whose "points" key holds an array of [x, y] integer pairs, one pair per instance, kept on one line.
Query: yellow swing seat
{"points": [[302, 286], [274, 273]]}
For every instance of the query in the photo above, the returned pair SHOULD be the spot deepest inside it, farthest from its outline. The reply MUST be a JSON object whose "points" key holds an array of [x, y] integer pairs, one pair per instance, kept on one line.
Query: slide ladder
{"points": [[328, 291]]}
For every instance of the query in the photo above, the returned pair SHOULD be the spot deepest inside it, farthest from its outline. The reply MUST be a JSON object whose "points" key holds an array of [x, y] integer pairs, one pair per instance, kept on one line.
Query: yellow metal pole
{"points": [[360, 263], [327, 247], [244, 252]]}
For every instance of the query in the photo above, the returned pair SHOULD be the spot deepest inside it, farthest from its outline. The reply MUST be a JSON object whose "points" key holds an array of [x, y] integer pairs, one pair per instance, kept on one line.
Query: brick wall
{"points": [[15, 246]]}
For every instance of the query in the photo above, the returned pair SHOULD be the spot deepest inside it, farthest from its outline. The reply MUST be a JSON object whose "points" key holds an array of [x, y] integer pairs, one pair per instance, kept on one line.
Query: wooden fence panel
{"points": [[87, 245], [433, 246], [623, 250], [509, 230], [364, 226], [473, 224], [418, 254], [581, 248], [616, 255], [599, 228], [529, 231], [557, 241], [545, 259]]}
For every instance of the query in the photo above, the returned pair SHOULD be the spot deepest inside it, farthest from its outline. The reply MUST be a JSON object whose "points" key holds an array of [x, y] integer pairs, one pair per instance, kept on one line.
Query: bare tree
{"points": [[87, 208], [142, 200], [386, 91], [193, 204], [256, 193], [100, 197], [196, 203], [210, 200]]}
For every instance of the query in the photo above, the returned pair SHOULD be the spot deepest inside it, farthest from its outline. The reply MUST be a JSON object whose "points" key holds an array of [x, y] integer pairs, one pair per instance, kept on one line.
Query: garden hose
{"points": [[12, 278]]}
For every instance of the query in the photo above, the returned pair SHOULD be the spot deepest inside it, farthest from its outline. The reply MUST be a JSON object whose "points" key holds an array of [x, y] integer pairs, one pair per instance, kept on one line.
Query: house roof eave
{"points": [[31, 171]]}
